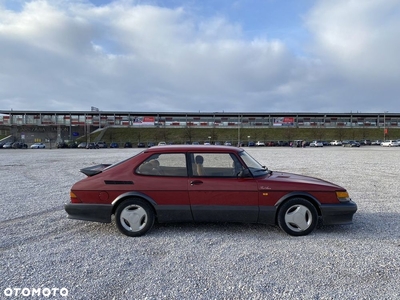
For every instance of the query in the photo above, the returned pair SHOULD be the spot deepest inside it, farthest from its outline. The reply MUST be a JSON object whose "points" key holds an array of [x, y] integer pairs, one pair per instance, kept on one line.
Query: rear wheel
{"points": [[297, 217], [134, 217]]}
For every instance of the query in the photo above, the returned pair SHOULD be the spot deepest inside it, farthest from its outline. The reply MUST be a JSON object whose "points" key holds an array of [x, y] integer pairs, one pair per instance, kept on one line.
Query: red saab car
{"points": [[204, 184]]}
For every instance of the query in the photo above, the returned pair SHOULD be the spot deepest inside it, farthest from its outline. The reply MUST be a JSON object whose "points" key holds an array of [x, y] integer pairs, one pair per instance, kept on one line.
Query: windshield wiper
{"points": [[263, 170]]}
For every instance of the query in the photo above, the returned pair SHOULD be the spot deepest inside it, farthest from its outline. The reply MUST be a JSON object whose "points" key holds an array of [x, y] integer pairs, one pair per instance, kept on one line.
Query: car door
{"points": [[216, 193]]}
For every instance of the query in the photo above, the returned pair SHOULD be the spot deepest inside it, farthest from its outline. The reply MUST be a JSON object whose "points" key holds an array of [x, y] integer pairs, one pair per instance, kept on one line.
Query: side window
{"points": [[215, 165], [168, 164]]}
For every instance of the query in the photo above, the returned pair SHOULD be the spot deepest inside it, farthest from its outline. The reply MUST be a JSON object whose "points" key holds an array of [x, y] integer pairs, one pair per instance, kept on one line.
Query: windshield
{"points": [[254, 166]]}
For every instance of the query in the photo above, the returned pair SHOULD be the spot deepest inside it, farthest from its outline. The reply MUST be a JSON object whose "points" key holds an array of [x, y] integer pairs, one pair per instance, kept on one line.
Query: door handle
{"points": [[196, 182]]}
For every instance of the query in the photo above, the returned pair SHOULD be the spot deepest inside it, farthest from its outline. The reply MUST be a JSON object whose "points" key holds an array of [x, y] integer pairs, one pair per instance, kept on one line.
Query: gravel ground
{"points": [[40, 248]]}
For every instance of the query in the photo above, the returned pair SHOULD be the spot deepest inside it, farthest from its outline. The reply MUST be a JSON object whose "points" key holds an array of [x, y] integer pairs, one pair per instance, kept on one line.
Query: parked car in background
{"points": [[390, 143], [150, 144], [62, 145], [162, 143], [38, 146], [351, 144], [282, 143], [251, 144], [128, 145], [114, 145], [139, 145], [316, 144], [92, 146], [297, 143], [8, 145], [260, 144], [82, 145], [228, 143], [204, 184], [101, 144], [366, 142], [336, 143], [19, 145], [376, 142]]}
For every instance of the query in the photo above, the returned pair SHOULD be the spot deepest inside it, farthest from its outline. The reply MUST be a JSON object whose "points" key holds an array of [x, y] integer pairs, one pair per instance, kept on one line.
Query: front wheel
{"points": [[134, 217], [297, 217]]}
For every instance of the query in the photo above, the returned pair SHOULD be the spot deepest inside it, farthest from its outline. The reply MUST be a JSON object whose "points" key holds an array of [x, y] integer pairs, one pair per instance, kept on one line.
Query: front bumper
{"points": [[89, 212], [338, 214]]}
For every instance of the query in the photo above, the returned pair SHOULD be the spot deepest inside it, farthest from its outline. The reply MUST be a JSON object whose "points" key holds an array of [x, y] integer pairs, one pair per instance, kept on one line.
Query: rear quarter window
{"points": [[168, 164]]}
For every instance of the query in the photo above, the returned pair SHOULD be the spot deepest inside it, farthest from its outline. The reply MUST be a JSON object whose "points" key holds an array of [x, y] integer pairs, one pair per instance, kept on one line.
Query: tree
{"points": [[289, 133], [188, 133], [213, 134], [50, 137], [340, 132]]}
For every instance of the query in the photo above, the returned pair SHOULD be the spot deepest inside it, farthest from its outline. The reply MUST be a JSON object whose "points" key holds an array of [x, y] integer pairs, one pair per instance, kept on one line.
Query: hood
{"points": [[292, 180]]}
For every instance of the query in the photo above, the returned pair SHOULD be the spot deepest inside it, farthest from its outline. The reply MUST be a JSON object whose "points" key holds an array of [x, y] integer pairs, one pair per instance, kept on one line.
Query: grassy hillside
{"points": [[222, 134], [192, 134]]}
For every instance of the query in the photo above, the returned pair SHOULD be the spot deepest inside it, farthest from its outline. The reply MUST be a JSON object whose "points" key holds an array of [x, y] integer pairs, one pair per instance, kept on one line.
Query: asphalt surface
{"points": [[45, 255]]}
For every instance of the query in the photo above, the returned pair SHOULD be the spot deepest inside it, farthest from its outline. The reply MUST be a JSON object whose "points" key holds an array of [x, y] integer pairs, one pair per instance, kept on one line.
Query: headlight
{"points": [[343, 196]]}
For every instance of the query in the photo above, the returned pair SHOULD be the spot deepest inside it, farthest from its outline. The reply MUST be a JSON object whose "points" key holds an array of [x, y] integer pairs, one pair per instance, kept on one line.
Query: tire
{"points": [[297, 217], [134, 217]]}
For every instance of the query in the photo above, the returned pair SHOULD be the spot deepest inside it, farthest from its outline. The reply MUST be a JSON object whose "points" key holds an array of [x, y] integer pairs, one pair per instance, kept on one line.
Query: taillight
{"points": [[74, 198]]}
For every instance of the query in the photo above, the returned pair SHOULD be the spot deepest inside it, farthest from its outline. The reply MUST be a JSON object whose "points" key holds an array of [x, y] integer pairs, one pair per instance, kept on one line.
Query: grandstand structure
{"points": [[259, 119], [71, 123]]}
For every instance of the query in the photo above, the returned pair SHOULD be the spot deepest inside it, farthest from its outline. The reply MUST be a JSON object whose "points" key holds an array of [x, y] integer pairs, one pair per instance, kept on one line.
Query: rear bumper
{"points": [[89, 212], [338, 214]]}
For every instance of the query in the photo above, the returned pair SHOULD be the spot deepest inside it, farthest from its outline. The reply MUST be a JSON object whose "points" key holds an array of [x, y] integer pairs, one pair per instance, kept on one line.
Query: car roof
{"points": [[193, 148]]}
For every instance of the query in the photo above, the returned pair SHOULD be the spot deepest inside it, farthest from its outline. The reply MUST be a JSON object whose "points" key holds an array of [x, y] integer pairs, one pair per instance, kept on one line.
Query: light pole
{"points": [[209, 140], [384, 125], [238, 124], [248, 140]]}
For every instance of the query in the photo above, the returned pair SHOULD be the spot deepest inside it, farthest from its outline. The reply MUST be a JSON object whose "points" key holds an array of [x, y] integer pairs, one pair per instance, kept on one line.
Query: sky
{"points": [[200, 55]]}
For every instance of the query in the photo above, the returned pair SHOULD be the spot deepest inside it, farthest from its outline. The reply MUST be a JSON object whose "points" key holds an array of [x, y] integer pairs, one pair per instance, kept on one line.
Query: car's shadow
{"points": [[368, 225], [365, 226], [217, 227]]}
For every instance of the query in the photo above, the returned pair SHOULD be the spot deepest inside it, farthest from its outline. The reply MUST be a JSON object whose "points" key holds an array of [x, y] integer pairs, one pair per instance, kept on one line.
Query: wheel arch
{"points": [[314, 201], [128, 195]]}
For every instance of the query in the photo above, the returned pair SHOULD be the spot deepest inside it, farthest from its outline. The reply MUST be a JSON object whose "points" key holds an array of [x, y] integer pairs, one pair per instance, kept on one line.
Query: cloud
{"points": [[70, 55], [358, 42], [359, 37]]}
